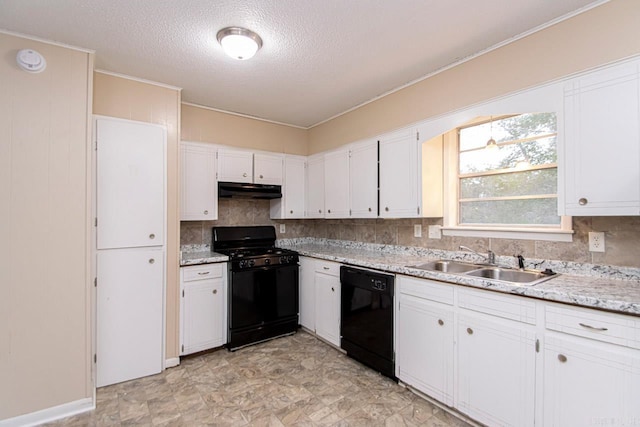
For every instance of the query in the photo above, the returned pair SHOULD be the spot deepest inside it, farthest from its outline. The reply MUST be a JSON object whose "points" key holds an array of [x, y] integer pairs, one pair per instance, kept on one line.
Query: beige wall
{"points": [[130, 99], [45, 335], [603, 34], [205, 125]]}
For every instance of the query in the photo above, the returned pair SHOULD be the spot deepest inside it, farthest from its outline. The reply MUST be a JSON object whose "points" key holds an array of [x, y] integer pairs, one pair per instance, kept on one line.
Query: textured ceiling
{"points": [[319, 59]]}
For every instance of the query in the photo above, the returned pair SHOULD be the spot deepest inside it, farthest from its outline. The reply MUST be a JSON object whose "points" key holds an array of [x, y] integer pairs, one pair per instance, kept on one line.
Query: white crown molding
{"points": [[137, 79], [246, 116], [47, 41]]}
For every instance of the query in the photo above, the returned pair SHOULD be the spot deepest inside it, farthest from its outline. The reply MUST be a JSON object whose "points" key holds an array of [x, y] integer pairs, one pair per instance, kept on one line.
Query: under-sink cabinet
{"points": [[203, 307]]}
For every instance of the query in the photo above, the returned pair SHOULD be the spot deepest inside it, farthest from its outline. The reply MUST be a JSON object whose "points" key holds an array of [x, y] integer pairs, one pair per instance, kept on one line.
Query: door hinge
{"points": [[183, 293], [418, 210], [418, 136], [95, 358], [537, 346], [95, 222], [349, 212], [95, 147], [95, 282], [183, 348]]}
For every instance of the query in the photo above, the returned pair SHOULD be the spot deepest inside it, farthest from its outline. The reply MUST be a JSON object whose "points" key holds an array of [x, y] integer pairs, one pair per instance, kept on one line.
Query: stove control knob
{"points": [[267, 261], [252, 263], [242, 264], [283, 259]]}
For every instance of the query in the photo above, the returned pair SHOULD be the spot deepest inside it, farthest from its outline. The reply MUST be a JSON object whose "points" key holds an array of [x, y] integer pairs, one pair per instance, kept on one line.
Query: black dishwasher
{"points": [[366, 326]]}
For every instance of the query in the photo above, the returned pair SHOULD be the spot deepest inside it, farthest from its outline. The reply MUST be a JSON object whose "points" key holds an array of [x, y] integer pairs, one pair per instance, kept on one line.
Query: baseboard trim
{"points": [[170, 363], [50, 414]]}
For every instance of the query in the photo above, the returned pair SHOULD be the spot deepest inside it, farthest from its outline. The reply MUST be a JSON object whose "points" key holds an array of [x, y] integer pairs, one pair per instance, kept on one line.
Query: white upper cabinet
{"points": [[315, 186], [336, 181], [399, 175], [602, 143], [199, 195], [363, 179], [292, 203], [235, 165], [130, 184], [267, 168]]}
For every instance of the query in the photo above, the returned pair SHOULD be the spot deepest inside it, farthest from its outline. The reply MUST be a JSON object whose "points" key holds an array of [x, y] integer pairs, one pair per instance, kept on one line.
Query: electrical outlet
{"points": [[435, 232], [596, 241], [283, 229], [417, 230]]}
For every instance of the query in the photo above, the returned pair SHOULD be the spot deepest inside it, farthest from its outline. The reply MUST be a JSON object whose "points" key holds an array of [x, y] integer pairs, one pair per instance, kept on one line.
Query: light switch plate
{"points": [[596, 241], [435, 232], [283, 229], [417, 230]]}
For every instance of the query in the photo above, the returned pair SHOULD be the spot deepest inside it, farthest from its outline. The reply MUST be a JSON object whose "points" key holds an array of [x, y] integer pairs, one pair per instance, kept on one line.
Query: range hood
{"points": [[249, 191]]}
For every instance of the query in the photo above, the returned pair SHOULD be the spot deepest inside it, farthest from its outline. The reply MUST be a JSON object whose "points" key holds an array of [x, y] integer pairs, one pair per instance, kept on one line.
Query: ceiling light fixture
{"points": [[239, 43], [491, 143]]}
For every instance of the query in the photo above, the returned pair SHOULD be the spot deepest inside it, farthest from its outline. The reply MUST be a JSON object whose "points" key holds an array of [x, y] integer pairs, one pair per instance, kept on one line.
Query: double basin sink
{"points": [[504, 274]]}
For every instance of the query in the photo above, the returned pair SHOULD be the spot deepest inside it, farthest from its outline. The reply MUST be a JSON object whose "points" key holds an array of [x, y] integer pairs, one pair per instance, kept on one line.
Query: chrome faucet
{"points": [[490, 257]]}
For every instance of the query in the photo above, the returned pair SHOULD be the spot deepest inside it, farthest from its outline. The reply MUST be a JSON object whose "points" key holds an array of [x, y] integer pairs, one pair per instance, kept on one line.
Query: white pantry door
{"points": [[130, 184], [129, 314]]}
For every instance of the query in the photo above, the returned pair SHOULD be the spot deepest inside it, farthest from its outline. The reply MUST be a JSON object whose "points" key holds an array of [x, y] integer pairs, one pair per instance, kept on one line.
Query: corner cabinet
{"points": [[199, 187], [400, 175], [203, 307], [602, 143]]}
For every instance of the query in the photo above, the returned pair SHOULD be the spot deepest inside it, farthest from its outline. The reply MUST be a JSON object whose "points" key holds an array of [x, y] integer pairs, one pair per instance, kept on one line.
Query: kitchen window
{"points": [[510, 185]]}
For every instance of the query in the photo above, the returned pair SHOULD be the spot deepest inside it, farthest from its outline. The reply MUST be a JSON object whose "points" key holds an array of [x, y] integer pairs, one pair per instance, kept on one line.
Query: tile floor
{"points": [[291, 381]]}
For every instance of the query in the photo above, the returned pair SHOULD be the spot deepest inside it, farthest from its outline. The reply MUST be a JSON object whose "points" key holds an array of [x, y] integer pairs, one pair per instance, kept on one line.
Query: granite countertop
{"points": [[202, 256], [603, 287]]}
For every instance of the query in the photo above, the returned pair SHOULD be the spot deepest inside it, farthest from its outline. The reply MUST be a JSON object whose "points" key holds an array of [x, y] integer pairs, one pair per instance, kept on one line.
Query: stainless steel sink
{"points": [[513, 276], [504, 274], [447, 266]]}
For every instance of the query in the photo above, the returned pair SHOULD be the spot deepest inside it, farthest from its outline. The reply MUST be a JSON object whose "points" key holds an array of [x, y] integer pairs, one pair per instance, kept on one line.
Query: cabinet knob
{"points": [[244, 174], [470, 331], [387, 209], [261, 177], [151, 260], [329, 210], [206, 212], [290, 211], [152, 236], [369, 209], [583, 201], [562, 358], [440, 322], [333, 289], [319, 210], [215, 291]]}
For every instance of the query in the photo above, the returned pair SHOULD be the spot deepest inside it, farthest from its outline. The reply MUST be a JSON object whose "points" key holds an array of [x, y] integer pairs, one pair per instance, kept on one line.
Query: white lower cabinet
{"points": [[307, 293], [327, 307], [425, 351], [203, 308]]}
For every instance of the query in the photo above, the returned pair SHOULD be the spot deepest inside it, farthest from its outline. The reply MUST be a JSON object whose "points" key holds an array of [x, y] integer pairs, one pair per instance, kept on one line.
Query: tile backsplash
{"points": [[622, 234]]}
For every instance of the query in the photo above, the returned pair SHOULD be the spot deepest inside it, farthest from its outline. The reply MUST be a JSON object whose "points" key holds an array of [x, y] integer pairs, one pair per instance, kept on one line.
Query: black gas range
{"points": [[263, 284]]}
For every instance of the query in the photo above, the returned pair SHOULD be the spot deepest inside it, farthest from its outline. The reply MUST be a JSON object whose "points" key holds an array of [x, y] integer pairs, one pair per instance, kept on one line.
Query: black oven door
{"points": [[262, 296]]}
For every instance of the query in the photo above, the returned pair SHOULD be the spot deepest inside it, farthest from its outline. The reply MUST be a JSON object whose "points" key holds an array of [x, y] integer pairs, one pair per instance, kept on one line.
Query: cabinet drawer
{"points": [[506, 306], [426, 289], [607, 327], [201, 272], [328, 267]]}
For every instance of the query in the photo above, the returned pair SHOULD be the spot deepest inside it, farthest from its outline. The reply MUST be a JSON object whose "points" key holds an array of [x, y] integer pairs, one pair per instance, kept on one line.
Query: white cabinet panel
{"points": [[327, 285], [307, 293], [363, 180], [425, 351], [267, 168], [235, 165], [495, 370], [203, 307], [399, 175], [199, 195], [292, 203], [130, 184], [589, 383], [336, 181], [129, 314], [315, 187], [602, 143]]}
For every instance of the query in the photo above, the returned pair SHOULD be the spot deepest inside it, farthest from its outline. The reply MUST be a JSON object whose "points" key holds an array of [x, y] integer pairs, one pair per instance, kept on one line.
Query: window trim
{"points": [[561, 233]]}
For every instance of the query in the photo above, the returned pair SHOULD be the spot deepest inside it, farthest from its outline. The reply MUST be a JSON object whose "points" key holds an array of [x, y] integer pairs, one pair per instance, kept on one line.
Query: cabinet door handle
{"points": [[151, 260], [440, 322], [152, 236], [244, 175], [584, 325], [325, 268], [203, 273], [470, 331], [583, 201], [215, 291], [562, 358], [206, 212]]}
